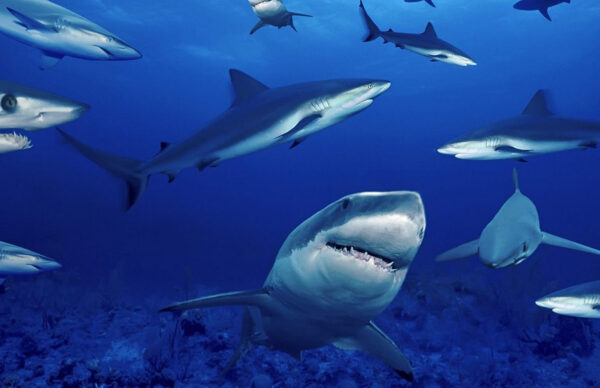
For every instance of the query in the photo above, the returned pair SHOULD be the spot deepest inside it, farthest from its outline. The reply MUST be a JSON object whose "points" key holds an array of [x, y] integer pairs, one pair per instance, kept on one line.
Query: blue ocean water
{"points": [[460, 324]]}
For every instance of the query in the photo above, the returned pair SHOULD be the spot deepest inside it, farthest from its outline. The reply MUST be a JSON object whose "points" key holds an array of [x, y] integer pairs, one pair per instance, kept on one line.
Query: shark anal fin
{"points": [[259, 298], [301, 125], [297, 142], [372, 340], [257, 26], [207, 163], [460, 252], [245, 87], [28, 22], [538, 105], [556, 241], [49, 59], [544, 12]]}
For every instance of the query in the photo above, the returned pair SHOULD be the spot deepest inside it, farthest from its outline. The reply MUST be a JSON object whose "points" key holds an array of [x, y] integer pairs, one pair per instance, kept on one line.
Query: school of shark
{"points": [[344, 265]]}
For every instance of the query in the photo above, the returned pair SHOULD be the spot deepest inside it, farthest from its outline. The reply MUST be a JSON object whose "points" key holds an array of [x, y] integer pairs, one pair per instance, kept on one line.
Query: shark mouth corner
{"points": [[381, 262]]}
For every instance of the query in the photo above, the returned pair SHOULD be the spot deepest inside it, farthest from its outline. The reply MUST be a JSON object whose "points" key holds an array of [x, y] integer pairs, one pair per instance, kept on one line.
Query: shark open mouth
{"points": [[364, 255]]}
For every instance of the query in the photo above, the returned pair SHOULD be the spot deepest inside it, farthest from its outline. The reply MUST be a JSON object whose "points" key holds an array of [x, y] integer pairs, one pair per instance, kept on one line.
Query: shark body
{"points": [[334, 273], [273, 13], [582, 301], [260, 117], [539, 5], [59, 32], [427, 43], [536, 131], [512, 236]]}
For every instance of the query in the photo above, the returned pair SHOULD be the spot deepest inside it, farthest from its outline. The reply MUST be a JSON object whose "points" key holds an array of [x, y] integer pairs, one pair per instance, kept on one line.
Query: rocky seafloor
{"points": [[456, 333]]}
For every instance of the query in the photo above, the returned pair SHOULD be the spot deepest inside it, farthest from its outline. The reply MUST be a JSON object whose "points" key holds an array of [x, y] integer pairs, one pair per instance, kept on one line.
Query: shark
{"points": [[582, 301], [427, 43], [259, 117], [539, 5], [512, 236], [273, 13], [59, 32], [15, 260], [430, 2], [332, 276], [29, 109], [536, 131]]}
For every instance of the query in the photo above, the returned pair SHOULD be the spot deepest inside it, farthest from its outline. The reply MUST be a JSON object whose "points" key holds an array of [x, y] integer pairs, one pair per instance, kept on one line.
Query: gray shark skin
{"points": [[22, 107], [512, 236], [427, 43], [334, 273], [582, 301], [273, 13], [536, 131], [539, 5], [59, 32], [430, 2], [15, 260], [260, 117]]}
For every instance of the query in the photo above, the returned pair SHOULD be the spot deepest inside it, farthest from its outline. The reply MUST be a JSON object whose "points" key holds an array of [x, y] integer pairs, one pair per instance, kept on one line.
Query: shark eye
{"points": [[9, 103]]}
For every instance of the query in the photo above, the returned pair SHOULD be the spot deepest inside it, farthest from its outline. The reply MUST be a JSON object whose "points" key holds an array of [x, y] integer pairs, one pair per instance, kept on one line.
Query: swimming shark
{"points": [[59, 32], [259, 117], [539, 5], [23, 107], [430, 2], [427, 43], [15, 260], [273, 13], [536, 131], [582, 301], [512, 236], [334, 273]]}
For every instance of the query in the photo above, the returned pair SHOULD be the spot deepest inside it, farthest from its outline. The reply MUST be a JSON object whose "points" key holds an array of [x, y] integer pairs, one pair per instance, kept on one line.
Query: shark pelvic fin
{"points": [[544, 12], [429, 30], [297, 142], [28, 22], [556, 241], [460, 252], [49, 59], [244, 86], [538, 105], [372, 340], [260, 24], [258, 298]]}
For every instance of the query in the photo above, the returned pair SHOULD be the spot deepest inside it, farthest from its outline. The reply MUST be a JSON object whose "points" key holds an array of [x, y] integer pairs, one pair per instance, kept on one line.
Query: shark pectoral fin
{"points": [[538, 105], [460, 252], [49, 59], [297, 142], [251, 331], [259, 298], [510, 149], [544, 11], [28, 22], [212, 162], [244, 86], [440, 56], [300, 126], [299, 14], [372, 340], [556, 241], [257, 26]]}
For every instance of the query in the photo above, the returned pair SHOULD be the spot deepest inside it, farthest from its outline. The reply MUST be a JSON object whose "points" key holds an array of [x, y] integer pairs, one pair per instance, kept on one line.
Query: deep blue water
{"points": [[220, 230]]}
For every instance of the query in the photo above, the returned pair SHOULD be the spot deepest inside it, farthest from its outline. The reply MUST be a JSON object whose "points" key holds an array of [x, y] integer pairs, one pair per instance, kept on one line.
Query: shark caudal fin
{"points": [[119, 166], [430, 2], [258, 298], [556, 241], [460, 252], [374, 31]]}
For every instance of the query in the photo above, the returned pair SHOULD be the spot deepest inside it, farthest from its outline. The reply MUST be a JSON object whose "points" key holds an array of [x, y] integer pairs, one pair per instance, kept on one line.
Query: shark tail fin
{"points": [[430, 2], [556, 241], [460, 252], [251, 333], [516, 179], [121, 167], [374, 31], [258, 298]]}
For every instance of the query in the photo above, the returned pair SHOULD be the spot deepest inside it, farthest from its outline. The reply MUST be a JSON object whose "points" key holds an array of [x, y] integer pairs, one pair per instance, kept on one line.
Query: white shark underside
{"points": [[334, 273], [581, 301], [512, 236], [536, 131], [273, 13], [59, 32], [259, 118]]}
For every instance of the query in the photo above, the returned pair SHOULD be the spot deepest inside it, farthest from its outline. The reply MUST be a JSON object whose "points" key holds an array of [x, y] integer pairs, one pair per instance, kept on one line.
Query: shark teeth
{"points": [[363, 255]]}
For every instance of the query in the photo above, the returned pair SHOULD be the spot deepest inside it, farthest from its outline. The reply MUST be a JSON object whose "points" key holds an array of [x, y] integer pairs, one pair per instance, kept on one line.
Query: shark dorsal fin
{"points": [[244, 86], [429, 30], [538, 105], [516, 180]]}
